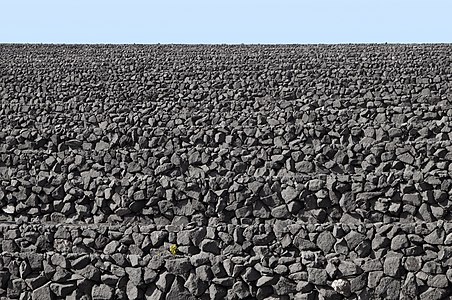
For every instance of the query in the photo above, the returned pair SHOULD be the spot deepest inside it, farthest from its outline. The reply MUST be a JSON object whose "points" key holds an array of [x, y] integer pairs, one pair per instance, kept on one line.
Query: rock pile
{"points": [[228, 261], [285, 171]]}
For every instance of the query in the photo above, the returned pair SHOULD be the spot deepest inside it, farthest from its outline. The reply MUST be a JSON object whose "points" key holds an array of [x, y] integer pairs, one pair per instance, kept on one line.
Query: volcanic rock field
{"points": [[225, 171]]}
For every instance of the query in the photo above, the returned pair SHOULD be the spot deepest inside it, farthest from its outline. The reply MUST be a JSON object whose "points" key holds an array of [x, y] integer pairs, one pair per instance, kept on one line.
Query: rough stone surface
{"points": [[225, 171]]}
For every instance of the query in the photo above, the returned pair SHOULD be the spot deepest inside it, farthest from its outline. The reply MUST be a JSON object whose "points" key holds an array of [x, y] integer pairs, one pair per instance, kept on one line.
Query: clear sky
{"points": [[225, 21]]}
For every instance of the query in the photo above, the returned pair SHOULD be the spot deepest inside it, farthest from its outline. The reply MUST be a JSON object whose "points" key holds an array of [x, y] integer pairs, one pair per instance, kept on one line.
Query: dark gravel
{"points": [[293, 171]]}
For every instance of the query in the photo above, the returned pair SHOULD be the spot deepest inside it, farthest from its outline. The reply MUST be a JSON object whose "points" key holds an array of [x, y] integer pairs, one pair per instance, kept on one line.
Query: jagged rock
{"points": [[89, 272], [388, 288], [315, 185], [195, 286], [178, 291], [437, 281], [436, 237], [285, 286], [317, 276], [354, 238], [102, 292], [42, 293], [133, 292], [392, 266], [433, 293], [217, 292], [326, 241], [341, 286], [204, 273], [240, 289], [111, 247], [348, 268], [266, 280], [412, 264], [289, 194], [210, 246], [102, 146], [135, 275], [178, 266]]}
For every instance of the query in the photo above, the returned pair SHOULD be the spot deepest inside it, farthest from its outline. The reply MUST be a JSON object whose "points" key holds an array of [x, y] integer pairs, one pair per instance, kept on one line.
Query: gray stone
{"points": [[204, 273], [413, 199], [399, 242], [195, 286], [210, 246], [164, 281], [353, 238], [42, 293], [201, 258], [79, 263], [348, 268], [285, 286], [241, 289], [111, 247], [153, 293], [304, 244], [178, 266], [364, 248], [392, 266], [178, 291], [135, 275], [280, 212], [315, 185], [183, 238], [149, 275], [9, 246], [217, 292], [266, 280], [412, 263], [328, 293], [304, 167], [358, 283], [35, 260], [255, 187], [341, 286], [438, 281], [373, 278], [317, 276], [156, 262], [379, 242], [289, 194], [388, 288], [264, 292], [304, 286], [250, 274], [226, 281], [159, 237], [409, 287], [372, 265], [425, 213], [347, 202], [89, 272], [436, 237], [449, 275], [433, 294], [406, 158], [102, 146], [325, 241]]}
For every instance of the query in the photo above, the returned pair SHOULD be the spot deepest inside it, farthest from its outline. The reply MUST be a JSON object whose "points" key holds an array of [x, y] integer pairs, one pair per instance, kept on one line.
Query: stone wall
{"points": [[272, 171], [287, 259]]}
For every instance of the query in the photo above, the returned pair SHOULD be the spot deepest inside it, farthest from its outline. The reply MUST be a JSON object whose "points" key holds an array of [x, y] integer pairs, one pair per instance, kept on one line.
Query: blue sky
{"points": [[225, 21]]}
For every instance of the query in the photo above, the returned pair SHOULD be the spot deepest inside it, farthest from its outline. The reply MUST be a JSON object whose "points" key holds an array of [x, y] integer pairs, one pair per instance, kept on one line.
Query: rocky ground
{"points": [[225, 172]]}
